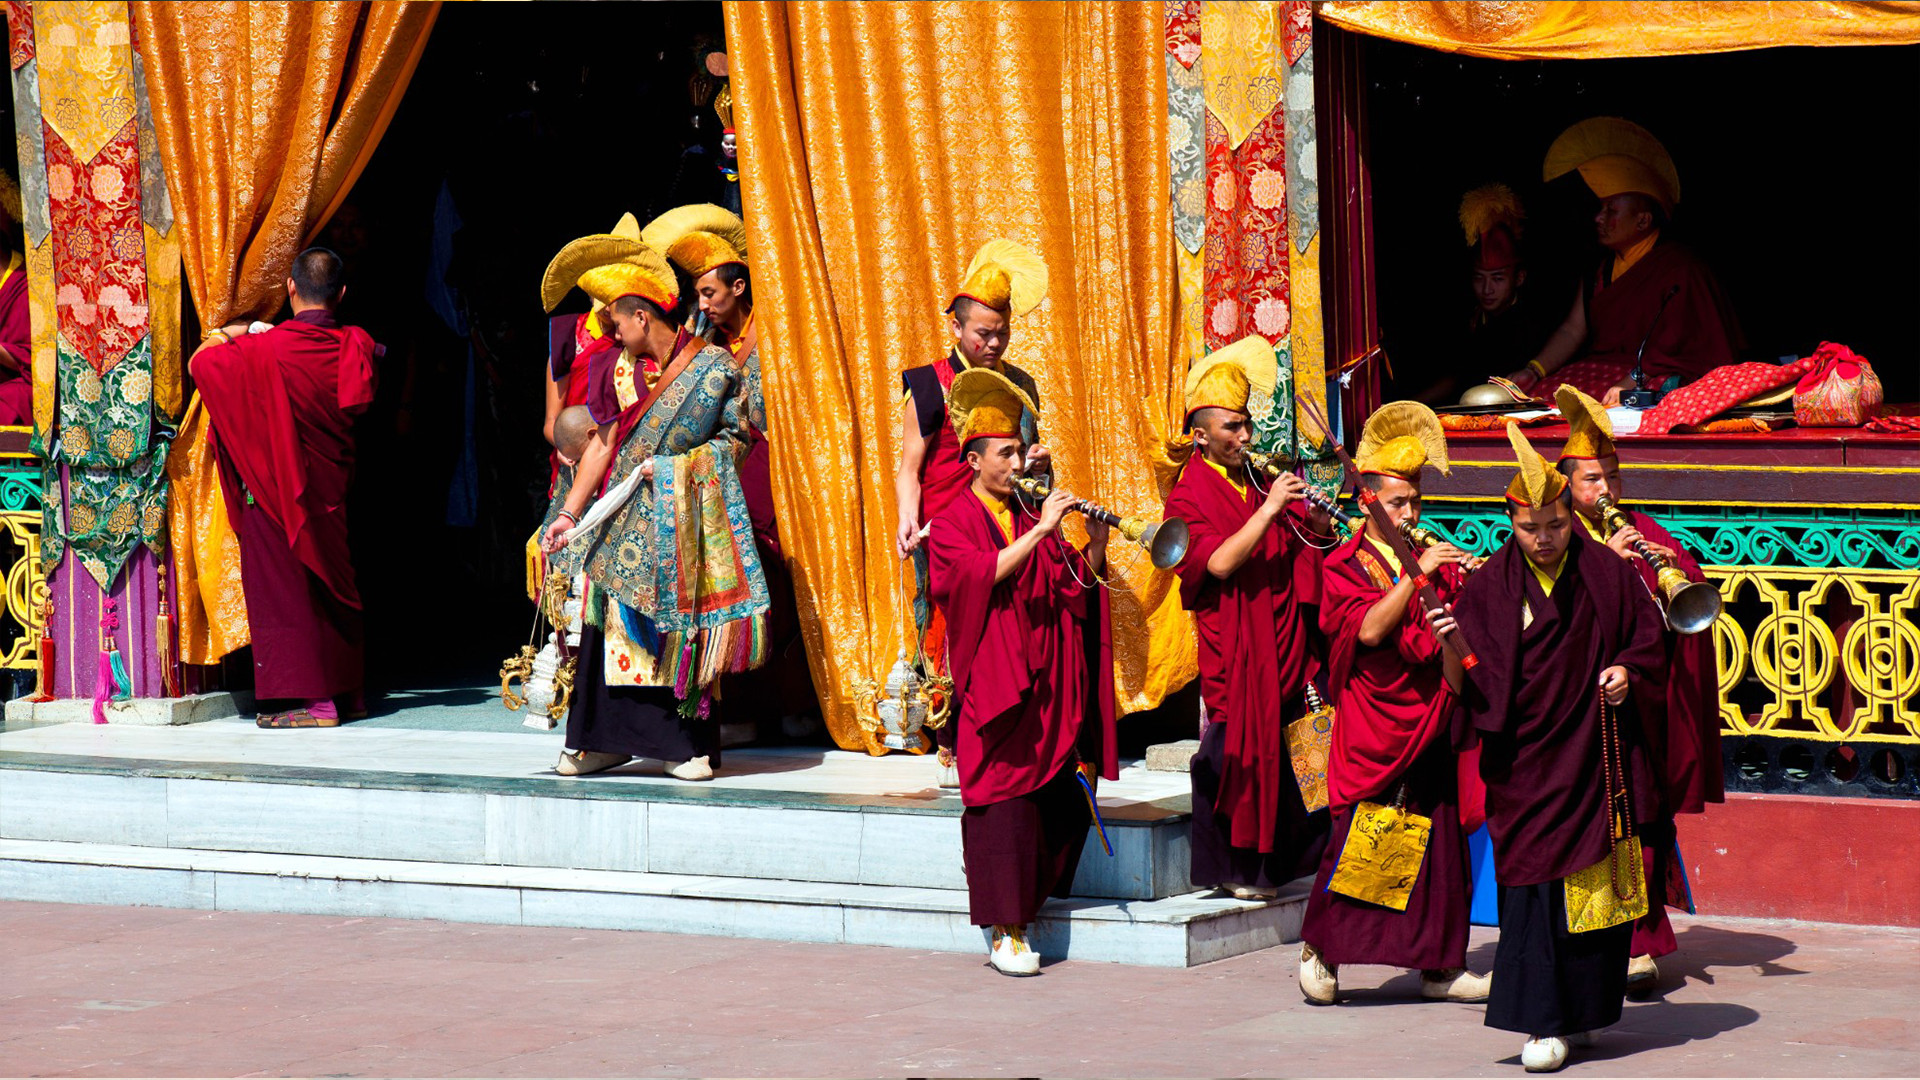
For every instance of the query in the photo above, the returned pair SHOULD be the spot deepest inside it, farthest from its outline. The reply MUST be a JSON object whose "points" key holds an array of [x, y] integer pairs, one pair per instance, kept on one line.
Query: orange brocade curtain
{"points": [[266, 114], [1564, 30], [881, 144]]}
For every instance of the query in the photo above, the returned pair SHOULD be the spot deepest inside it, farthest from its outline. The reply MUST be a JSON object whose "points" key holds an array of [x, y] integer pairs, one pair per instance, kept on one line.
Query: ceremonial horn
{"points": [[1426, 538], [1690, 606], [1272, 465], [1165, 542]]}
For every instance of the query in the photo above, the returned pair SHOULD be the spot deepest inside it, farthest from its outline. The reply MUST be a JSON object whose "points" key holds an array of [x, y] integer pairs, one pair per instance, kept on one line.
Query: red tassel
{"points": [[102, 688]]}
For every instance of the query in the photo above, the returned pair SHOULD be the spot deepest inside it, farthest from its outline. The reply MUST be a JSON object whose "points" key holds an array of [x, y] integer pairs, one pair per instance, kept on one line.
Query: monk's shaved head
{"points": [[573, 429], [318, 275]]}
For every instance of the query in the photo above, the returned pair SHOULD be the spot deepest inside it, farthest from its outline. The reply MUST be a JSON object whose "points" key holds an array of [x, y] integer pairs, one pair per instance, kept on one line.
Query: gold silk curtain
{"points": [[266, 114], [881, 144], [1569, 30]]}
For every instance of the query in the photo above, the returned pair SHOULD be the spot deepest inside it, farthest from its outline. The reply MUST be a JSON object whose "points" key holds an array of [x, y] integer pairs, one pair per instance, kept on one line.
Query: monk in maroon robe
{"points": [[1684, 706], [1033, 675], [1557, 622], [572, 343], [1651, 299], [16, 344], [281, 406], [1391, 734], [1003, 281], [1251, 831]]}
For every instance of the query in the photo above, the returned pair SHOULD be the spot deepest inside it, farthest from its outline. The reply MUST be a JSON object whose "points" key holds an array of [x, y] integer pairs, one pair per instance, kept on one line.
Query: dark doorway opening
{"points": [[1799, 170], [533, 124]]}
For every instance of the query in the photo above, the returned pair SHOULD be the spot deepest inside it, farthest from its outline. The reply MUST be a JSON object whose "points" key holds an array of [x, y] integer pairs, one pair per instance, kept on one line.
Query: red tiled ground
{"points": [[96, 991]]}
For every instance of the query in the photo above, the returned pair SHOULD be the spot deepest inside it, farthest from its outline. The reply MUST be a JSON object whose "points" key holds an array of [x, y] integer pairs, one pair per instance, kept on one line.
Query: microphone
{"points": [[1640, 397]]}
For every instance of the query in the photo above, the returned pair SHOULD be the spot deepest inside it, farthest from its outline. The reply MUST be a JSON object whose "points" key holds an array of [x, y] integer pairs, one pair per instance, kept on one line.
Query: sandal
{"points": [[298, 718]]}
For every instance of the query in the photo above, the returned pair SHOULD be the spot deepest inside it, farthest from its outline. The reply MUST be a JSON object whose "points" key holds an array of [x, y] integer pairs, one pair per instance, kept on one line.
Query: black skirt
{"points": [[1547, 981], [640, 721]]}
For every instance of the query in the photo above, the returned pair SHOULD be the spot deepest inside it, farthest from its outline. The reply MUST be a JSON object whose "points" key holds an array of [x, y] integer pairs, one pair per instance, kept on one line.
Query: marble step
{"points": [[1176, 931], [632, 826]]}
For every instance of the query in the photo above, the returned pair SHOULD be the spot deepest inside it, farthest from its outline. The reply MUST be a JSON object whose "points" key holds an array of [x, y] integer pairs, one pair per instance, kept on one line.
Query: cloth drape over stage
{"points": [[881, 144], [1565, 30]]}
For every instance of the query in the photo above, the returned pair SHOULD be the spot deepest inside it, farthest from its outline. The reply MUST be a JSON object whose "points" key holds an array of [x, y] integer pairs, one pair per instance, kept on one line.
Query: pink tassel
{"points": [[102, 689]]}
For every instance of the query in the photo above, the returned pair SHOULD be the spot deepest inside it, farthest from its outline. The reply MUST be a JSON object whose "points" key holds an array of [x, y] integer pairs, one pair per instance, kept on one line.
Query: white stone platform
{"points": [[786, 844]]}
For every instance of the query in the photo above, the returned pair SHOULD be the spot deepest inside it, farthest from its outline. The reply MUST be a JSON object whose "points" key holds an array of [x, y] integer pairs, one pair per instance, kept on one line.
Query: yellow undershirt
{"points": [[1238, 485], [1385, 551], [1592, 529], [734, 343], [1002, 513], [1546, 579], [1624, 261], [13, 263]]}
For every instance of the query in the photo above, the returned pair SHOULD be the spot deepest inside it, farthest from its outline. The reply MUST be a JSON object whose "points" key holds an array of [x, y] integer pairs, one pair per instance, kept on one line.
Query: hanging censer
{"points": [[913, 703]]}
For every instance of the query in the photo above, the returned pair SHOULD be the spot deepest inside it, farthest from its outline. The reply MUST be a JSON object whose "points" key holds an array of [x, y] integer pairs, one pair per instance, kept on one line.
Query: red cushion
{"points": [[1717, 391]]}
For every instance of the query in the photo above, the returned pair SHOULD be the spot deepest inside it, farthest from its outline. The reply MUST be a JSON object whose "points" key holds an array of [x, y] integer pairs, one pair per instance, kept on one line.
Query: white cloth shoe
{"points": [[697, 769], [1319, 981], [1457, 984], [1544, 1055], [583, 762], [1011, 955], [1642, 975], [1253, 892]]}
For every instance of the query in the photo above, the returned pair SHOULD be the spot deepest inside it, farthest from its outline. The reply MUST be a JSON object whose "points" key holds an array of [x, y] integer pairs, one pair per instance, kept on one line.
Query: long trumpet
{"points": [[1272, 465], [1690, 606], [1425, 538], [1165, 542]]}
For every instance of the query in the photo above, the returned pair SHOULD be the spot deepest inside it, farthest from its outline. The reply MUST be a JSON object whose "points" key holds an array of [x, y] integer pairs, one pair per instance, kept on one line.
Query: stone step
{"points": [[1171, 932], [629, 824]]}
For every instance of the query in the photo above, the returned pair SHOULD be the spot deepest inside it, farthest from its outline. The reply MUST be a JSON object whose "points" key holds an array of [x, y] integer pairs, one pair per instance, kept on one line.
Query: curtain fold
{"points": [[1565, 30], [266, 113], [881, 144]]}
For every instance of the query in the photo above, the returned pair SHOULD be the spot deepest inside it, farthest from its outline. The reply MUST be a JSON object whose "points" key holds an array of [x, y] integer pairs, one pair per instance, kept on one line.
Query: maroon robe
{"points": [[16, 334], [280, 407], [1254, 660], [570, 353], [1032, 667], [1697, 333], [1533, 701], [1393, 708]]}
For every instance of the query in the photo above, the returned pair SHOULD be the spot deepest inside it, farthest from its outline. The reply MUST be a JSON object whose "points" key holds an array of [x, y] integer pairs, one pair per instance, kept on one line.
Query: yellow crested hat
{"points": [[1537, 484], [698, 237], [1589, 431], [590, 263], [986, 405], [1399, 439], [1229, 376], [1005, 277], [1615, 156]]}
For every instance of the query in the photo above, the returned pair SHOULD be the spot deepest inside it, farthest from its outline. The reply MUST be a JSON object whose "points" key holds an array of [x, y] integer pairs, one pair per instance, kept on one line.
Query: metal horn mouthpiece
{"points": [[1165, 542], [1426, 538], [1272, 465], [1690, 606]]}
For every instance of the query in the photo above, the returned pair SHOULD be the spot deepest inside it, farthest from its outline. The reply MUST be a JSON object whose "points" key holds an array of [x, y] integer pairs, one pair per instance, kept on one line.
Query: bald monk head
{"points": [[573, 429], [318, 280]]}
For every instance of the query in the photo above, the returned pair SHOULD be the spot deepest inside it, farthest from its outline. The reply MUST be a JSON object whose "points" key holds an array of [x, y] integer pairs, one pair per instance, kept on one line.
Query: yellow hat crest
{"points": [[1615, 156], [1232, 375], [1537, 484], [698, 237], [1589, 431], [607, 267], [984, 404], [1005, 277], [1399, 439]]}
